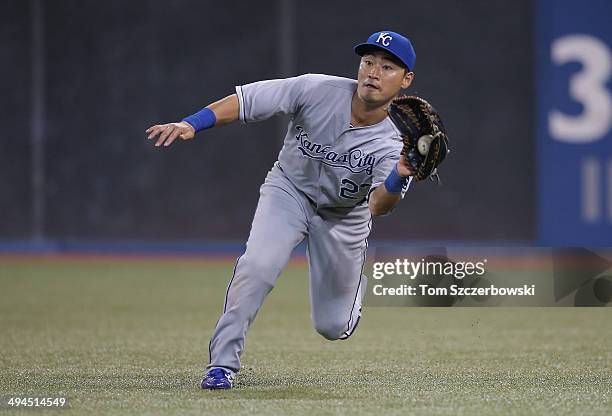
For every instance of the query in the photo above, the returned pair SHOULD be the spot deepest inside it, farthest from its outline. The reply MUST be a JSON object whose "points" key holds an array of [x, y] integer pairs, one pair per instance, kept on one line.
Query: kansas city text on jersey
{"points": [[354, 160]]}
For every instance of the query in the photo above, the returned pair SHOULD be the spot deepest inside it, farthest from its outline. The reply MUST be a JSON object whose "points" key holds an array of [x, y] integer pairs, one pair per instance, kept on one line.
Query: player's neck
{"points": [[364, 114]]}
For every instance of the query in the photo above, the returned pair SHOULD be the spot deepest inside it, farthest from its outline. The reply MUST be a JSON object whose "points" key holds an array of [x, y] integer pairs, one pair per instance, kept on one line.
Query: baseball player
{"points": [[339, 166]]}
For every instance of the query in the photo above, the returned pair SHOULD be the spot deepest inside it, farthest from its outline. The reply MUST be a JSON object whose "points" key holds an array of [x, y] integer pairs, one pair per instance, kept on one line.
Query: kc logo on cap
{"points": [[384, 38], [401, 47]]}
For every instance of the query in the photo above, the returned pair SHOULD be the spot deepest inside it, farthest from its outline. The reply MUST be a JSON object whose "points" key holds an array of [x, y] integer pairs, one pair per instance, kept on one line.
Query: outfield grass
{"points": [[131, 337]]}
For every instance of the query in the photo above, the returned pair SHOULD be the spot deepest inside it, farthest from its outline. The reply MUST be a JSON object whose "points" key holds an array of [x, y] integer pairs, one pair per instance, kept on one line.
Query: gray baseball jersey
{"points": [[316, 192], [334, 164]]}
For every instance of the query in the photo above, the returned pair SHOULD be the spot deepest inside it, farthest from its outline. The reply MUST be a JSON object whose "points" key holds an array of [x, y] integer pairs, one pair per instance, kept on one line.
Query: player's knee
{"points": [[258, 267], [331, 330]]}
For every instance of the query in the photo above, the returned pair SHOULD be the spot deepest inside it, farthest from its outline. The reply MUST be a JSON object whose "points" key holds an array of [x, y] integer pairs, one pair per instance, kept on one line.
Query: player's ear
{"points": [[408, 77]]}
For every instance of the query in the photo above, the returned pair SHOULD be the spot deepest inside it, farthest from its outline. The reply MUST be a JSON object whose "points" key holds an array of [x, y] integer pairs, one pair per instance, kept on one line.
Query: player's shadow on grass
{"points": [[289, 386]]}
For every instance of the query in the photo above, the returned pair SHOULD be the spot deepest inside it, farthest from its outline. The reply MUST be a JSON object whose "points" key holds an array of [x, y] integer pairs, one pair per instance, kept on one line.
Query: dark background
{"points": [[111, 69]]}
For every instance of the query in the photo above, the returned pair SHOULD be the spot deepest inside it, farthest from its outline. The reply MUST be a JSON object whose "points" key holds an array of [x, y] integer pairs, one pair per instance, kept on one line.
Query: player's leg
{"points": [[337, 245], [278, 226]]}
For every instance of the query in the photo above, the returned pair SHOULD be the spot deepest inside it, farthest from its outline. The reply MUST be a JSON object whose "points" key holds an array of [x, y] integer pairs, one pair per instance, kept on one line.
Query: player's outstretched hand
{"points": [[170, 132], [403, 167]]}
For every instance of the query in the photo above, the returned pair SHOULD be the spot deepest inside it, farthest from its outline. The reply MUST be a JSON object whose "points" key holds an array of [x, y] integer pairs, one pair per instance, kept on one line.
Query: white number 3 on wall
{"points": [[588, 87]]}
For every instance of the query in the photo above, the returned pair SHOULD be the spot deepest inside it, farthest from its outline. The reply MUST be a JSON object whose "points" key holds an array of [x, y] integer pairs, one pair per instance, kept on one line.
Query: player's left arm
{"points": [[382, 200]]}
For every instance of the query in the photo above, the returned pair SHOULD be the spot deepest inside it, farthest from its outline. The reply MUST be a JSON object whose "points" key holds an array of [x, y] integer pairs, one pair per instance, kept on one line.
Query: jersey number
{"points": [[350, 190]]}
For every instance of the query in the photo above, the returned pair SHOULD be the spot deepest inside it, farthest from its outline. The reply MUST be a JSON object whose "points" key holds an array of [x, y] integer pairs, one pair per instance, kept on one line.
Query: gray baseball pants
{"points": [[336, 253]]}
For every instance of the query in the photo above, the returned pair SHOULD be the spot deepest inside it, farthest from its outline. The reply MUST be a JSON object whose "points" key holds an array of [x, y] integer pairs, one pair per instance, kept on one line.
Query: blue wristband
{"points": [[202, 120], [394, 182]]}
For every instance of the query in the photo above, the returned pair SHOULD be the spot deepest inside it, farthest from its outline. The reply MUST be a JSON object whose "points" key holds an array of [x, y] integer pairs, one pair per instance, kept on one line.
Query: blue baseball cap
{"points": [[391, 42]]}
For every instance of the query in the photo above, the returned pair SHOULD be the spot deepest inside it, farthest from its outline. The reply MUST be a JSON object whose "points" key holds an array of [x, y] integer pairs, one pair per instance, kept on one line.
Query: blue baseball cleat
{"points": [[218, 378]]}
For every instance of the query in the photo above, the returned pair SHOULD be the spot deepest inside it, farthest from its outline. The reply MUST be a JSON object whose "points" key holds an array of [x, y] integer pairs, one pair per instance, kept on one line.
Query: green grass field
{"points": [[131, 337]]}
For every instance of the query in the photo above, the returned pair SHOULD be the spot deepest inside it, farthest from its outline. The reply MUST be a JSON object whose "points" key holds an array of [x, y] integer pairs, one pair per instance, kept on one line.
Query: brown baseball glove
{"points": [[424, 135]]}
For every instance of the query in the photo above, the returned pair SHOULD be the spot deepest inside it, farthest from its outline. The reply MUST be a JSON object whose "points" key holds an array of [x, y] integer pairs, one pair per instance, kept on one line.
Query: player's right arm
{"points": [[252, 102], [226, 111]]}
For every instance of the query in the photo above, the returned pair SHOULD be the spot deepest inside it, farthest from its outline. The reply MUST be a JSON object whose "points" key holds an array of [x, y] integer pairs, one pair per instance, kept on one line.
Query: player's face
{"points": [[379, 78]]}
